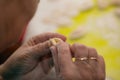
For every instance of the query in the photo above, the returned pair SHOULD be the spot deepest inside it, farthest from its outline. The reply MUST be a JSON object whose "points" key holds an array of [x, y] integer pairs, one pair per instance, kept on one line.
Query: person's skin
{"points": [[14, 17], [32, 61], [79, 70]]}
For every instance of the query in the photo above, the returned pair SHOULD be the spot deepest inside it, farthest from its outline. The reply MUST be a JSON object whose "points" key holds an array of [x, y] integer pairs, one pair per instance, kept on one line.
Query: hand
{"points": [[32, 61], [87, 66]]}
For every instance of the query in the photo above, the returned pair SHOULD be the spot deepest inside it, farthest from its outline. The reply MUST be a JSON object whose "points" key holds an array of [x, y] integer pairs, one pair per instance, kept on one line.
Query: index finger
{"points": [[44, 37]]}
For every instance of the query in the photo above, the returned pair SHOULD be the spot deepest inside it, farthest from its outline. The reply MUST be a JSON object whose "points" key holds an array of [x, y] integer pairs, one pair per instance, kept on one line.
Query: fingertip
{"points": [[92, 52], [74, 47], [92, 49]]}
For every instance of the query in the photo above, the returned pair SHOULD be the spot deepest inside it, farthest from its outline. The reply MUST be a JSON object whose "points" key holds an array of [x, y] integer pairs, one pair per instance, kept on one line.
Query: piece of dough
{"points": [[54, 41]]}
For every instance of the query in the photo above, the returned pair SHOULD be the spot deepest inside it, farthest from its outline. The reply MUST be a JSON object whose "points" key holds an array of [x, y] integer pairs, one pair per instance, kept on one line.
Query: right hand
{"points": [[89, 69], [32, 61]]}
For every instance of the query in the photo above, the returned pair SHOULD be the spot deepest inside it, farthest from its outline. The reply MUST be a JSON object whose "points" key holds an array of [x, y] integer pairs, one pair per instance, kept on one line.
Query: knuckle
{"points": [[76, 45], [32, 41], [81, 46], [93, 50]]}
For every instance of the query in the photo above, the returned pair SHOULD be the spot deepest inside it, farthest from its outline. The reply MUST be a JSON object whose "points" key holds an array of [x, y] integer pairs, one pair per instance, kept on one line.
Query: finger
{"points": [[43, 37], [101, 62], [55, 59], [101, 68], [79, 50], [64, 56], [92, 57], [93, 61]]}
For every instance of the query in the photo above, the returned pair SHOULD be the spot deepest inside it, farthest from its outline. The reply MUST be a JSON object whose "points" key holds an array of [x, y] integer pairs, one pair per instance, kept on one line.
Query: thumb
{"points": [[64, 56], [55, 59]]}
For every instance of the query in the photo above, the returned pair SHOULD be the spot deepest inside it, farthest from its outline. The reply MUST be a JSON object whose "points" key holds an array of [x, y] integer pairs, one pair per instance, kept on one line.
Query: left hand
{"points": [[87, 66]]}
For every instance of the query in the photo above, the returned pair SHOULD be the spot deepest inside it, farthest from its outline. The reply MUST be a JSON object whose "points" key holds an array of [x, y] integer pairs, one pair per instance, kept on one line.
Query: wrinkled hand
{"points": [[32, 61], [92, 67]]}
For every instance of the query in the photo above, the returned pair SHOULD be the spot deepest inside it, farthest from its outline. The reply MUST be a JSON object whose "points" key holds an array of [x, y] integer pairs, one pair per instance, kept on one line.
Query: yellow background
{"points": [[94, 39]]}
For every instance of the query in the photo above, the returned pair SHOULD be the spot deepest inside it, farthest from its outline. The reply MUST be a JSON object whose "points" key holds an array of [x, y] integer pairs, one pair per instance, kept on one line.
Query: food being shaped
{"points": [[54, 41]]}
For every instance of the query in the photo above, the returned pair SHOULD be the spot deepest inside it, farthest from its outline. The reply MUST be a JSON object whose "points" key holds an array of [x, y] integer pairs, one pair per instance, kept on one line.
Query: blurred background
{"points": [[95, 23]]}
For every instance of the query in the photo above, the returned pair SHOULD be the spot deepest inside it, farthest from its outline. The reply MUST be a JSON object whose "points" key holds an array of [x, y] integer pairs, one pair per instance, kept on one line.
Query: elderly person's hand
{"points": [[32, 61], [88, 64]]}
